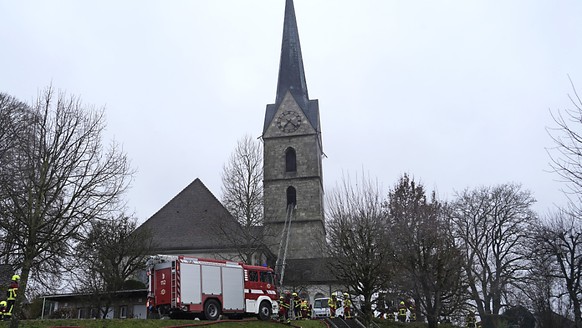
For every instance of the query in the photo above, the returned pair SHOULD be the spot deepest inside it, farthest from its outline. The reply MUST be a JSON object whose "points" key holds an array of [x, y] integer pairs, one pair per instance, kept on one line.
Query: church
{"points": [[195, 223]]}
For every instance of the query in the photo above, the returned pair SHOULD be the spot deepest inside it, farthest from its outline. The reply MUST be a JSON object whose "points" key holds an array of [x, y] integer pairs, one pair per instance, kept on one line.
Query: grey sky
{"points": [[456, 93]]}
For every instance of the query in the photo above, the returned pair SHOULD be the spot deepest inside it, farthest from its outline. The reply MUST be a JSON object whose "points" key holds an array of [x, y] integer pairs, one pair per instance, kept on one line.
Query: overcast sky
{"points": [[456, 93]]}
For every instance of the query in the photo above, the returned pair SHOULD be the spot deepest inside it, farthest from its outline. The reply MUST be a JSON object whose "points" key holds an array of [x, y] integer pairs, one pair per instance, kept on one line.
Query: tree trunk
{"points": [[367, 310], [16, 312], [577, 312], [432, 321]]}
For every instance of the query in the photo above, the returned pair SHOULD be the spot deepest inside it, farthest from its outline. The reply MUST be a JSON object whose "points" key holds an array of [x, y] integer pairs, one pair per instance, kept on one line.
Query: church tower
{"points": [[293, 177]]}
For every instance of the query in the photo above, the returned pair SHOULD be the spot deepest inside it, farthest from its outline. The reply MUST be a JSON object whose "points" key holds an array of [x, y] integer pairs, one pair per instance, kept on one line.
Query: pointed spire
{"points": [[291, 73]]}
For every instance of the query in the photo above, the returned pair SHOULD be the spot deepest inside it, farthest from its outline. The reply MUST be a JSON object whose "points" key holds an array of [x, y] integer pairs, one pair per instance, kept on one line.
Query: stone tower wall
{"points": [[305, 240], [308, 220]]}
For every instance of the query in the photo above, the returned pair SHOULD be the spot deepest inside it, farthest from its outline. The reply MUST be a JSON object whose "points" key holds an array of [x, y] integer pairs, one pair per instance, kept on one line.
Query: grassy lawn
{"points": [[152, 323], [392, 324], [140, 323]]}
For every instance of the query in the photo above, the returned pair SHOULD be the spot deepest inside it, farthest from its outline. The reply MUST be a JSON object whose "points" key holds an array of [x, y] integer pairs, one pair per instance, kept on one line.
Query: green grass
{"points": [[153, 323], [395, 324], [140, 323]]}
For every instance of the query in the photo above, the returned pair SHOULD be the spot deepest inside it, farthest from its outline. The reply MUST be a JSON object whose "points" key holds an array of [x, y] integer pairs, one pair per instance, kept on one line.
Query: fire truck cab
{"points": [[182, 286]]}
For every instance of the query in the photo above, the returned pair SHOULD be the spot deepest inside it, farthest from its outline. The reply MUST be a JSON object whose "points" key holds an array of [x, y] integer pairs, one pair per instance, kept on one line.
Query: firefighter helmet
{"points": [[294, 294], [3, 303], [15, 277], [401, 302], [346, 294]]}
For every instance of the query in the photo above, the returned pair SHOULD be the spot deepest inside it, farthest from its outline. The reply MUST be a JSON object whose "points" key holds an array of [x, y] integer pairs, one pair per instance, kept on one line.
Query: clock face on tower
{"points": [[289, 121]]}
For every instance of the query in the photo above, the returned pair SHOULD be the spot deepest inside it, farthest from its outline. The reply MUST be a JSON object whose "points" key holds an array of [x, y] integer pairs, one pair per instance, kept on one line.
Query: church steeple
{"points": [[291, 72], [292, 158]]}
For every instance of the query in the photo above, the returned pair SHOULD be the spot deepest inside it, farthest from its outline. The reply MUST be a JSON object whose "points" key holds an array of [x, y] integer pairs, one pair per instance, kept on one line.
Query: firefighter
{"points": [[402, 311], [471, 321], [2, 309], [412, 309], [284, 309], [11, 299], [304, 308], [296, 306], [347, 306], [332, 302]]}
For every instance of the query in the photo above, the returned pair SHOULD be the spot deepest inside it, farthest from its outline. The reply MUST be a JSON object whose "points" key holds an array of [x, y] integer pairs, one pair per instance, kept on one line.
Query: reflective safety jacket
{"points": [[402, 310], [12, 291], [332, 303], [297, 303]]}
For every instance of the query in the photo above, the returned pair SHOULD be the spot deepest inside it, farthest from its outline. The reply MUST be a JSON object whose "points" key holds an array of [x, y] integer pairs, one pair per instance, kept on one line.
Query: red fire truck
{"points": [[181, 286]]}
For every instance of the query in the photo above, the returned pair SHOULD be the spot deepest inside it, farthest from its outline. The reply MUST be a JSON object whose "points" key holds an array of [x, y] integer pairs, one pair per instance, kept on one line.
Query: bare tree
{"points": [[12, 123], [12, 112], [538, 289], [358, 246], [560, 239], [492, 225], [110, 254], [426, 254], [242, 180], [62, 176], [565, 157], [242, 195]]}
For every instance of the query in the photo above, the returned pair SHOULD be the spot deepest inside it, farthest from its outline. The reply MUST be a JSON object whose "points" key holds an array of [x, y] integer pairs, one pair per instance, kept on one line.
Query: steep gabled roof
{"points": [[193, 220]]}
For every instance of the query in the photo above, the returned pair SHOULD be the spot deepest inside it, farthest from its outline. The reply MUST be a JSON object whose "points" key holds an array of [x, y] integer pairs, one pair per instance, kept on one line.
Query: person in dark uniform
{"points": [[402, 311], [11, 299]]}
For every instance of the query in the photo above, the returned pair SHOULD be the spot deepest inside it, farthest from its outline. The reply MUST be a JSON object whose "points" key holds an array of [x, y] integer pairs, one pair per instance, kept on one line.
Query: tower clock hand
{"points": [[289, 118]]}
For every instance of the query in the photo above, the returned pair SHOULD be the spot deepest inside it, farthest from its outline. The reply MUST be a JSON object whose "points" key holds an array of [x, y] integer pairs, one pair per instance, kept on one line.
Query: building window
{"points": [[49, 308], [290, 160], [123, 311], [291, 196]]}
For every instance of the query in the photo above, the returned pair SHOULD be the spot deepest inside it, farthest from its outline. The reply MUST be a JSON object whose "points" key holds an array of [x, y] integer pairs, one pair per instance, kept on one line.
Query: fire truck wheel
{"points": [[212, 310], [265, 310]]}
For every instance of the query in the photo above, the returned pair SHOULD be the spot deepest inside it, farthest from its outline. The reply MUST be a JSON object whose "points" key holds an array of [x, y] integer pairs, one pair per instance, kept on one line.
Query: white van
{"points": [[321, 308]]}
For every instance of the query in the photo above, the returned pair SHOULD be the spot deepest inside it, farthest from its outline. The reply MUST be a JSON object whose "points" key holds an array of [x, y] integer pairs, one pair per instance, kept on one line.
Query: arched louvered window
{"points": [[290, 160]]}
